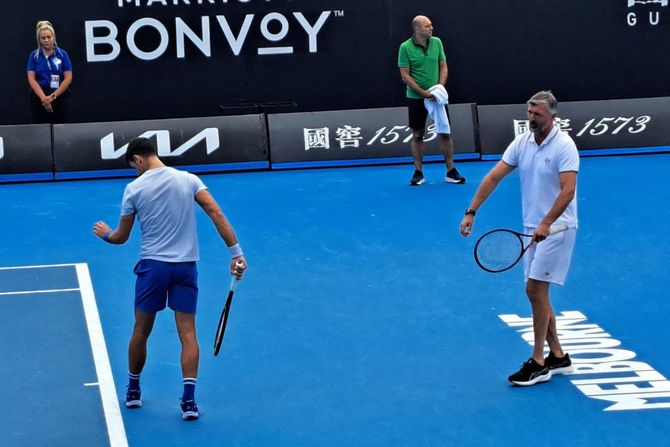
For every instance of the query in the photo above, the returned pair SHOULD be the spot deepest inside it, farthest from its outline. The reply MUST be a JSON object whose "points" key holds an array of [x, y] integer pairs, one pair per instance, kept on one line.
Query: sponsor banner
{"points": [[363, 136], [204, 144], [25, 153], [616, 126], [205, 49], [647, 13], [224, 53]]}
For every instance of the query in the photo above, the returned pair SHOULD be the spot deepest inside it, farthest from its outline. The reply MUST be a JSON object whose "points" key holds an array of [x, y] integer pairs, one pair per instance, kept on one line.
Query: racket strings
{"points": [[498, 250]]}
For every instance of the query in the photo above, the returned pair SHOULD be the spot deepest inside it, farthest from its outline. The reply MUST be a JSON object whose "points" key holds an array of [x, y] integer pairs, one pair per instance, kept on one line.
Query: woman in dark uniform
{"points": [[49, 75]]}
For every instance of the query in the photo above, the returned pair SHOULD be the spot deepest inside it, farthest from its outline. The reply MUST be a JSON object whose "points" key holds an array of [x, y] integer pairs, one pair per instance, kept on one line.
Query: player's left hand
{"points": [[466, 225], [541, 232], [237, 266]]}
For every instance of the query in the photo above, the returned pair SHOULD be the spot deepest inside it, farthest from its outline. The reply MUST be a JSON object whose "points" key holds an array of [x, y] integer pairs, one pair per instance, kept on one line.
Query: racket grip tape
{"points": [[557, 229], [233, 283]]}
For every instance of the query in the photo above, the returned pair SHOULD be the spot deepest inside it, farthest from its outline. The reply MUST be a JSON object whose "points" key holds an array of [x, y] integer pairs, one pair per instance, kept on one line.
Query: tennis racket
{"points": [[500, 250], [223, 320]]}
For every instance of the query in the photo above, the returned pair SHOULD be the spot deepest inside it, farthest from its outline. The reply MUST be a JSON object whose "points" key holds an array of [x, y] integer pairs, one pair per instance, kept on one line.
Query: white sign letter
{"points": [[109, 39], [137, 2], [203, 43], [282, 32], [274, 37], [235, 42], [147, 55], [312, 31]]}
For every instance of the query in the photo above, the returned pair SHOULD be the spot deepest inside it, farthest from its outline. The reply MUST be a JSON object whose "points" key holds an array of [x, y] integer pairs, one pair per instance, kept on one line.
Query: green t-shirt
{"points": [[423, 63]]}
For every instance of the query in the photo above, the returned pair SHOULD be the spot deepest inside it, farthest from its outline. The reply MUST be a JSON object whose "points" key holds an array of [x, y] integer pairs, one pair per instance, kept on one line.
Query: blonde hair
{"points": [[44, 25]]}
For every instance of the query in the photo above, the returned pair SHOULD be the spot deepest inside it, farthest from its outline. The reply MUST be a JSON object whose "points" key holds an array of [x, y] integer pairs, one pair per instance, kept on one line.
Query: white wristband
{"points": [[235, 251]]}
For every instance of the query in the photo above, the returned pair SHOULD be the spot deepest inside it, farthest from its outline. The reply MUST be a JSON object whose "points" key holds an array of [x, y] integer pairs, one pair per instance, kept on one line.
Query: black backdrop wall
{"points": [[148, 59]]}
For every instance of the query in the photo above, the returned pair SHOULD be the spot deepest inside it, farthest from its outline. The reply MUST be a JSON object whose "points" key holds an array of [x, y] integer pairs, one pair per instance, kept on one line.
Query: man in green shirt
{"points": [[423, 65]]}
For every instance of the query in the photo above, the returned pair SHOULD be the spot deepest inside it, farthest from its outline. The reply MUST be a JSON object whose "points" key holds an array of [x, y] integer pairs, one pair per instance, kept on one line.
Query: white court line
{"points": [[110, 402], [28, 292], [36, 266]]}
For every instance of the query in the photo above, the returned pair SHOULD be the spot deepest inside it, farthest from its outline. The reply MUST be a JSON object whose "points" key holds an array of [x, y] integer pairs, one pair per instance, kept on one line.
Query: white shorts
{"points": [[549, 260]]}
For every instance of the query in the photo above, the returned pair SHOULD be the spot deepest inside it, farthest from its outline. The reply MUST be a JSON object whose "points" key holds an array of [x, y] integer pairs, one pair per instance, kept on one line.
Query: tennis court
{"points": [[362, 320]]}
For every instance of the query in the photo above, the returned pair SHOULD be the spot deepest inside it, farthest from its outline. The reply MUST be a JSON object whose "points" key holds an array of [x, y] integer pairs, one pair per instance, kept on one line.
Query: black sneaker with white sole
{"points": [[556, 365], [189, 410], [417, 178], [133, 398], [453, 176], [530, 374]]}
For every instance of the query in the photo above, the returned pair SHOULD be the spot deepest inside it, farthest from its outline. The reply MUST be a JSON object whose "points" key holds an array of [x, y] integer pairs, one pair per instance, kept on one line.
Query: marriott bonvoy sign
{"points": [[267, 33]]}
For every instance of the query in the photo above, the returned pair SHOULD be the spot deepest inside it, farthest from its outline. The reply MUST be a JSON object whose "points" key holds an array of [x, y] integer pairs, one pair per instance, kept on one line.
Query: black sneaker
{"points": [[133, 398], [557, 365], [453, 176], [417, 178], [530, 374], [189, 410]]}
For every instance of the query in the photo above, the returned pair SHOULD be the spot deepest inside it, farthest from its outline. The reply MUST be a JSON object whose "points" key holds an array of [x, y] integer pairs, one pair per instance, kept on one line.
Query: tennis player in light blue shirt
{"points": [[163, 200]]}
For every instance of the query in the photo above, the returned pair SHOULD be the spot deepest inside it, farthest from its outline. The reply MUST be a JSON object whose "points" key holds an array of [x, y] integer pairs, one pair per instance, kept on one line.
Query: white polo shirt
{"points": [[539, 169], [163, 200]]}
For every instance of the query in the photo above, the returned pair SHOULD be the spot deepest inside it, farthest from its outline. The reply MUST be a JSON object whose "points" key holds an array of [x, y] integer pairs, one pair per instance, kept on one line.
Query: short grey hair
{"points": [[544, 97]]}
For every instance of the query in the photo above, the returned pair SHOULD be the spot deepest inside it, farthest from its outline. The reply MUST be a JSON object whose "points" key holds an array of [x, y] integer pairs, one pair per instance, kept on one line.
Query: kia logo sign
{"points": [[210, 136]]}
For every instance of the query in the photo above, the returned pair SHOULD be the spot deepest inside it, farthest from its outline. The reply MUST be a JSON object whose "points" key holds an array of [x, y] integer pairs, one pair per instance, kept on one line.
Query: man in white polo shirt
{"points": [[548, 163]]}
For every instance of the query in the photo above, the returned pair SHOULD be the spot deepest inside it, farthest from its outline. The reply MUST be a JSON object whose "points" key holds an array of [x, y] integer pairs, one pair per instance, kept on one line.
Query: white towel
{"points": [[436, 110], [440, 94]]}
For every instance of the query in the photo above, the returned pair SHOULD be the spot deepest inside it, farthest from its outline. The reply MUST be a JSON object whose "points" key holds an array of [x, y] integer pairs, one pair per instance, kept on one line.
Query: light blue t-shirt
{"points": [[163, 200]]}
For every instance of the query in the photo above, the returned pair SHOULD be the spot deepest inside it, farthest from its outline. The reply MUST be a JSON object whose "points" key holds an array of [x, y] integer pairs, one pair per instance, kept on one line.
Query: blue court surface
{"points": [[363, 319]]}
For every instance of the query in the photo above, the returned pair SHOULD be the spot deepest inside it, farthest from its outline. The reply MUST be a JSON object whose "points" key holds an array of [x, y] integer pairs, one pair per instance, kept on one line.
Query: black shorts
{"points": [[418, 114]]}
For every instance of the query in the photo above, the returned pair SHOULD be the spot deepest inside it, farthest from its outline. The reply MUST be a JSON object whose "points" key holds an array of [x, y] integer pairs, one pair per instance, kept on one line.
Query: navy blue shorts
{"points": [[166, 283]]}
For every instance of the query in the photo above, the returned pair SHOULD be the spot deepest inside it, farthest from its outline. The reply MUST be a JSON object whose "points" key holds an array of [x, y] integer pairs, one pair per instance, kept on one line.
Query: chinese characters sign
{"points": [[361, 134]]}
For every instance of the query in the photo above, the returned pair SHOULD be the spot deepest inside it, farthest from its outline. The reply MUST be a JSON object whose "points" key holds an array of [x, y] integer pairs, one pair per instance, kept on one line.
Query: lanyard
{"points": [[49, 63]]}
